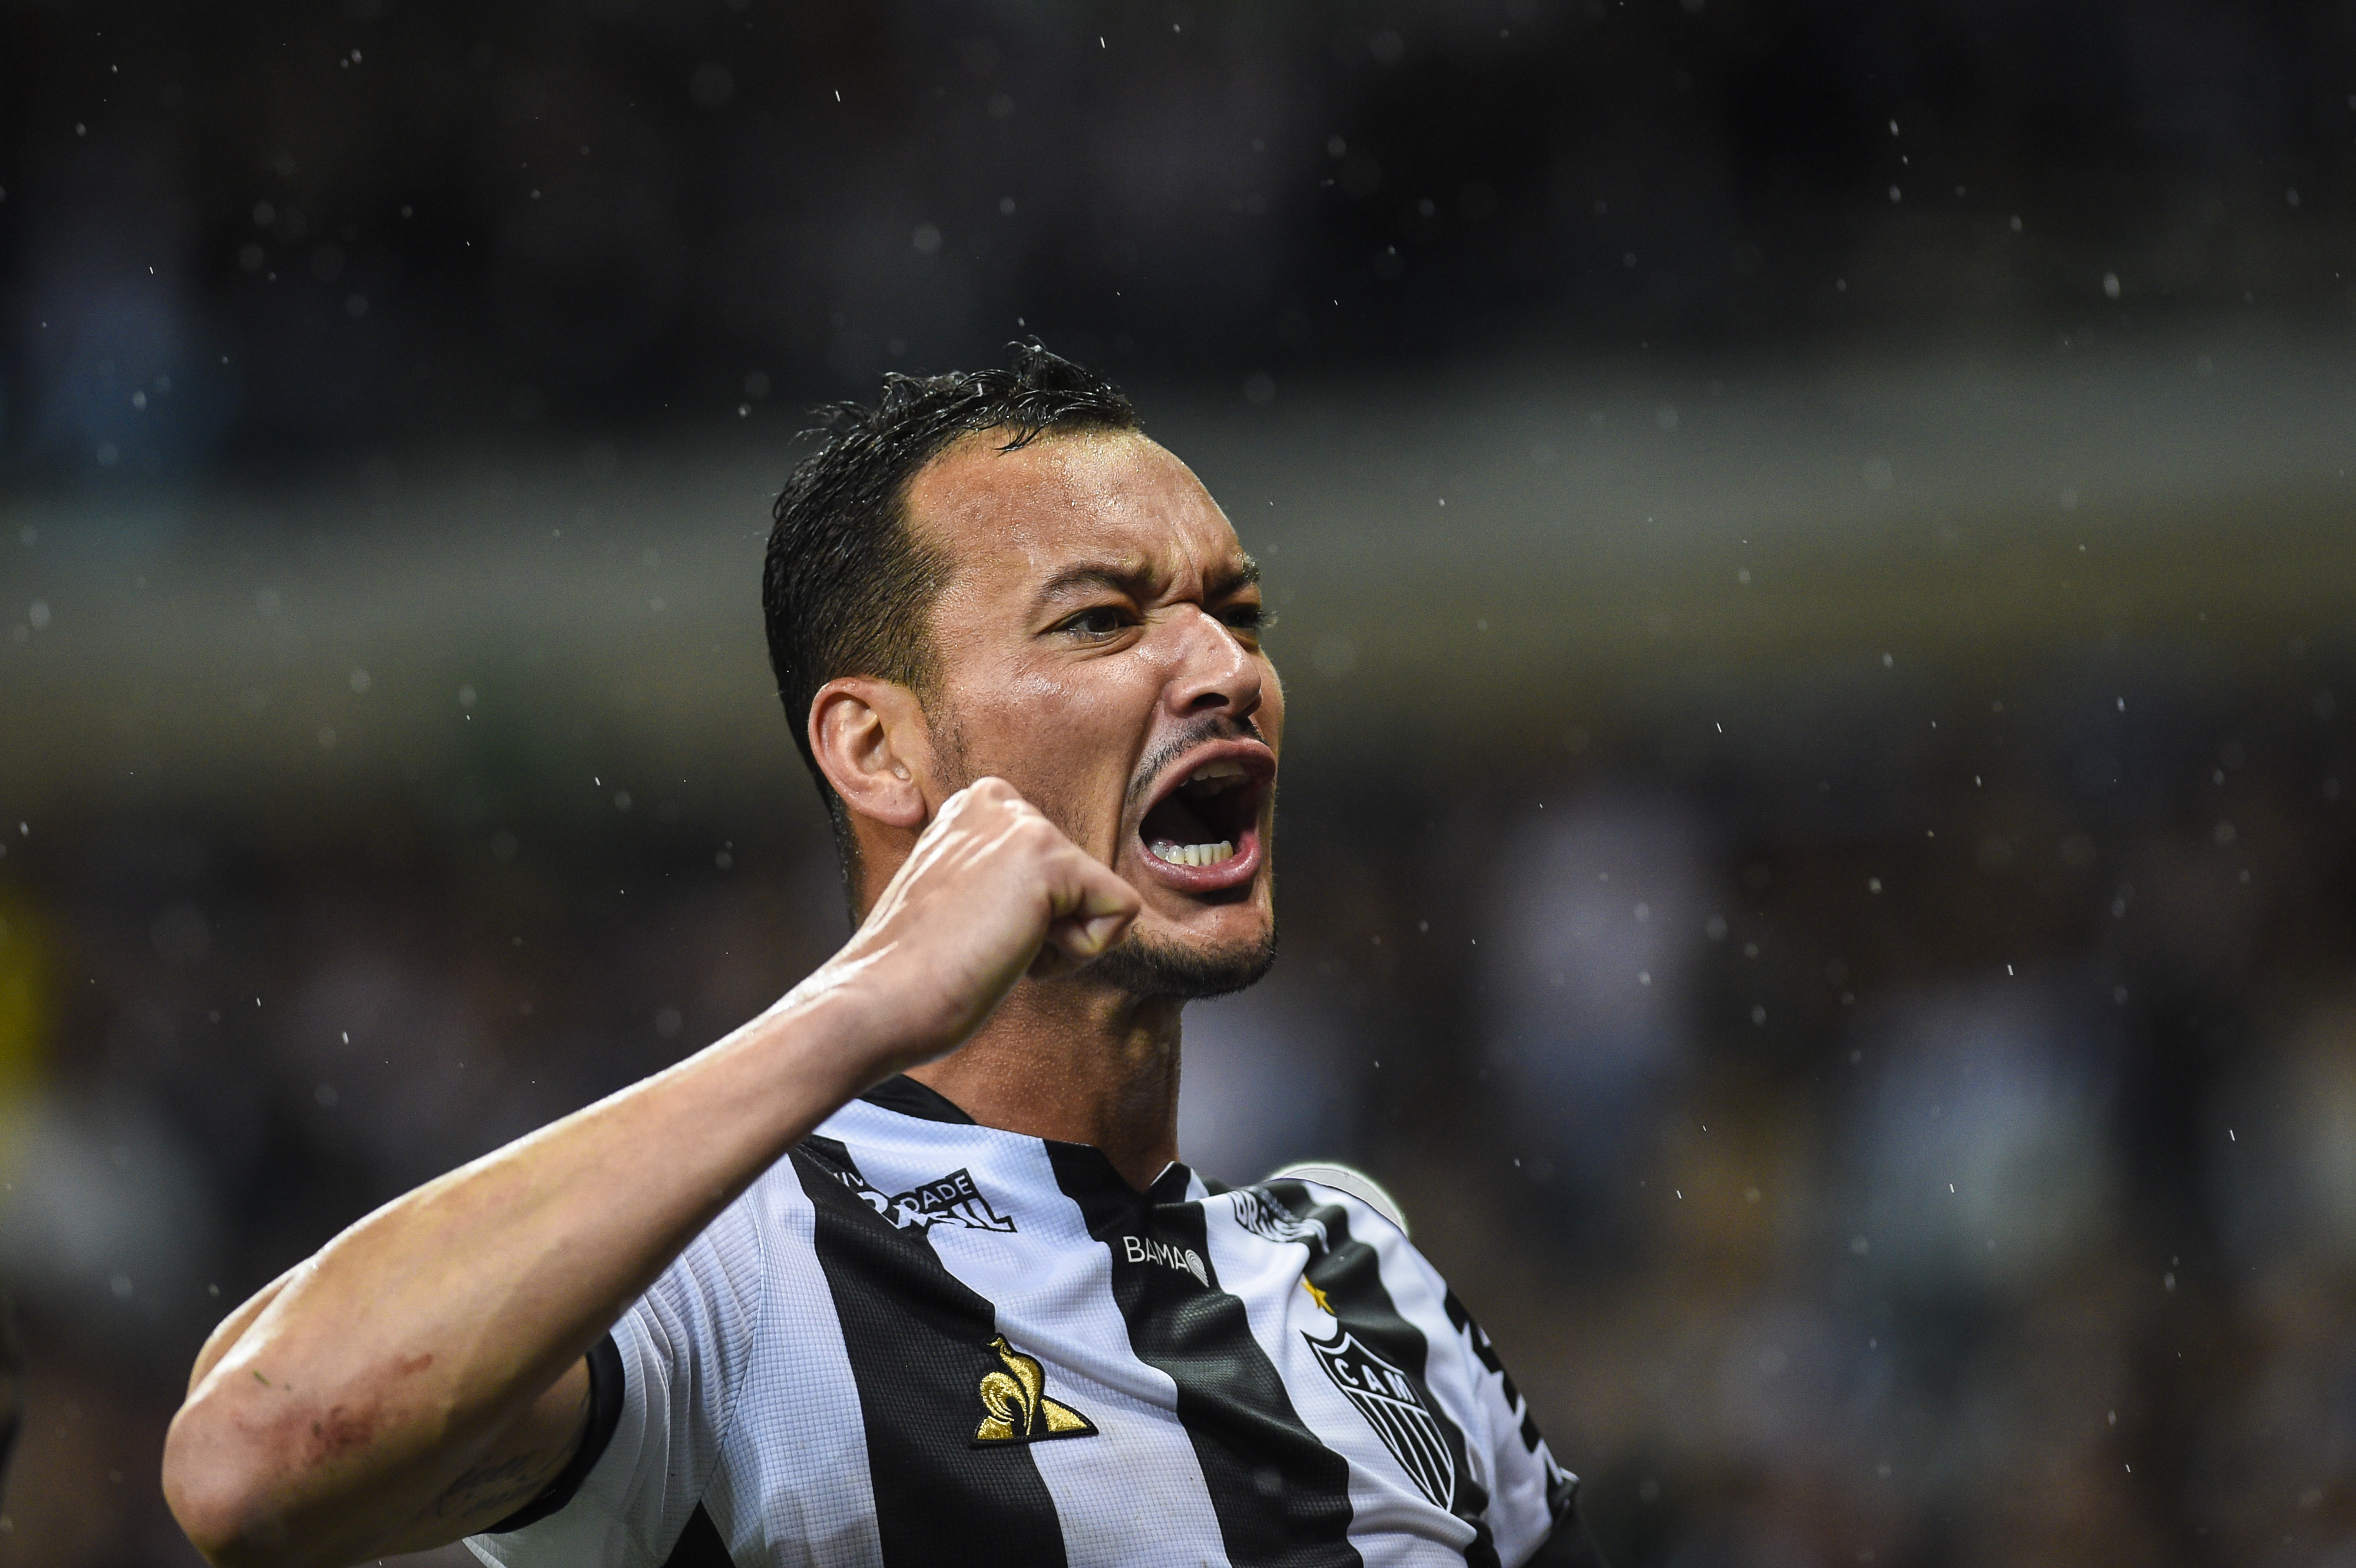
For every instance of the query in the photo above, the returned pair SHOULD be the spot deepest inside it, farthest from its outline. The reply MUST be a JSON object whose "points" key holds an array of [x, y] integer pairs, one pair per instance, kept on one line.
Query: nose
{"points": [[1212, 672]]}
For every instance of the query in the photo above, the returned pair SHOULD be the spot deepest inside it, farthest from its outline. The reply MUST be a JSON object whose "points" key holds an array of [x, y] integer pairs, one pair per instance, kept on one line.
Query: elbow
{"points": [[221, 1497]]}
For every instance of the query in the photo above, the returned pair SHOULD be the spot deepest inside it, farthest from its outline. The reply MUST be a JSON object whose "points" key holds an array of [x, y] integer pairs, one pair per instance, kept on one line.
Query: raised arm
{"points": [[422, 1376]]}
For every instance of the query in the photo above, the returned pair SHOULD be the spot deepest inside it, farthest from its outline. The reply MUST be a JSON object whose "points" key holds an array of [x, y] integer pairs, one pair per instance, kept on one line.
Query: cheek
{"points": [[1057, 740], [1017, 706]]}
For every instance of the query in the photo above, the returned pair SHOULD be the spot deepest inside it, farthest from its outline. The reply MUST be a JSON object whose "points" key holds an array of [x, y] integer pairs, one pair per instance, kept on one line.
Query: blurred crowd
{"points": [[337, 223], [1925, 1140]]}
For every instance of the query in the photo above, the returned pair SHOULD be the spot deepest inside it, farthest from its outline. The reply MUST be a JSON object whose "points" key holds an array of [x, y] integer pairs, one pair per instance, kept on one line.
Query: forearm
{"points": [[382, 1372]]}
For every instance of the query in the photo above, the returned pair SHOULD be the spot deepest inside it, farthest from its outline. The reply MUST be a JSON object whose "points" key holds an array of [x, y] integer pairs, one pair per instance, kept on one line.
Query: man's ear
{"points": [[870, 739]]}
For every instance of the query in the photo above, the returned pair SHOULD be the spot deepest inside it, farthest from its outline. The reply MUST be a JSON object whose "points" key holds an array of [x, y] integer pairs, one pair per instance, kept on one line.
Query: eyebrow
{"points": [[1131, 579], [1113, 575]]}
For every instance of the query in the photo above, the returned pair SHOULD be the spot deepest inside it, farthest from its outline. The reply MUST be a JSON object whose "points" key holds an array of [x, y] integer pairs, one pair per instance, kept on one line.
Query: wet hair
{"points": [[847, 587]]}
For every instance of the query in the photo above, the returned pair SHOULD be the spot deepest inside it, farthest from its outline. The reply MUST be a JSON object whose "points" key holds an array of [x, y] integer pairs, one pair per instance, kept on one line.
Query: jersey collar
{"points": [[905, 1096]]}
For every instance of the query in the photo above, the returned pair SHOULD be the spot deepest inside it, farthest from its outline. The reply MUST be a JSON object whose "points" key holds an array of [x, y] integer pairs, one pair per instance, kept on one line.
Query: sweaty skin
{"points": [[1156, 645], [422, 1376]]}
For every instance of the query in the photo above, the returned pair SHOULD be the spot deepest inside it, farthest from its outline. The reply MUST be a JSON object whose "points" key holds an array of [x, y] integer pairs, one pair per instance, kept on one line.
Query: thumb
{"points": [[1089, 913]]}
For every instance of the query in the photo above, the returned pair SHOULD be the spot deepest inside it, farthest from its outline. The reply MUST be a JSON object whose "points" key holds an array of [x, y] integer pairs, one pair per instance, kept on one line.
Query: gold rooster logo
{"points": [[1017, 1406]]}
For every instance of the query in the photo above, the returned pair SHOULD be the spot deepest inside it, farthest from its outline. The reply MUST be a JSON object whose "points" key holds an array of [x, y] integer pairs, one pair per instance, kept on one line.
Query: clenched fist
{"points": [[992, 891]]}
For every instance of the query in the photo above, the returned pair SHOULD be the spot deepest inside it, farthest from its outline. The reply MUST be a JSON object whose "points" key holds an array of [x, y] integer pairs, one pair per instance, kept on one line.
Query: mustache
{"points": [[1210, 727]]}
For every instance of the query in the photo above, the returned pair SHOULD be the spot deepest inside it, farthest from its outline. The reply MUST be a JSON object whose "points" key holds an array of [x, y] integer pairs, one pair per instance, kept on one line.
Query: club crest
{"points": [[1393, 1406], [1015, 1407], [952, 1199]]}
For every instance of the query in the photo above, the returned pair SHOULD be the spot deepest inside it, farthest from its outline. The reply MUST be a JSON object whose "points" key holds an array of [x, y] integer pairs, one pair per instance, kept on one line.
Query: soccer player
{"points": [[906, 1271]]}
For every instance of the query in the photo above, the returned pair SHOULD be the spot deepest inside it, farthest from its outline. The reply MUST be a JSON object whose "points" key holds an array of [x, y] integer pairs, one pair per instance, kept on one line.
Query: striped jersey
{"points": [[916, 1340]]}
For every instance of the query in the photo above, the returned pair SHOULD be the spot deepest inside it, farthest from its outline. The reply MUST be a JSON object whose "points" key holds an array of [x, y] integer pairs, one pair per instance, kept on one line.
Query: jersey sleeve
{"points": [[1533, 1501], [682, 1348]]}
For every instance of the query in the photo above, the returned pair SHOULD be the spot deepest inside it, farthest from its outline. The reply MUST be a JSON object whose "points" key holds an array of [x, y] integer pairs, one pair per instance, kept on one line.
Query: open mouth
{"points": [[1210, 818]]}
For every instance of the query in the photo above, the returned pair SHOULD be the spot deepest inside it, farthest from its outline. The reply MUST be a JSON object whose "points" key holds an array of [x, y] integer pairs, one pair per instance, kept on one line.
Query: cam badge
{"points": [[1388, 1398], [1015, 1405]]}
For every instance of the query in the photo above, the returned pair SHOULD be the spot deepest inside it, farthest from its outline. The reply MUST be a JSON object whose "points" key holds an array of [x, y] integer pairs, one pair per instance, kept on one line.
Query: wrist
{"points": [[854, 1023]]}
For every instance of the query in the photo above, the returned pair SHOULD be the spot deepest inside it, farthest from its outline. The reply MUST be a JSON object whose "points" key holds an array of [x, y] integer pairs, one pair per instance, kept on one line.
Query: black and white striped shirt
{"points": [[921, 1341]]}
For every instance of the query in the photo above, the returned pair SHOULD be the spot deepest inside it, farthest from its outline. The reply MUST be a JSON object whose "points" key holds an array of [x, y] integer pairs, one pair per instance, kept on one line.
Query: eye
{"points": [[1094, 623], [1249, 617]]}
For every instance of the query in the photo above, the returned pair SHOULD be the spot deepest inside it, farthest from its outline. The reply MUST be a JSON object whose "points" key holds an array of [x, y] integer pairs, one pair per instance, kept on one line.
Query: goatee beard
{"points": [[1142, 967]]}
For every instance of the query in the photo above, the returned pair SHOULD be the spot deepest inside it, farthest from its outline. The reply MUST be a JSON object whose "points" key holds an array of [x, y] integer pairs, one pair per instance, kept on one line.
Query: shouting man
{"points": [[906, 1271]]}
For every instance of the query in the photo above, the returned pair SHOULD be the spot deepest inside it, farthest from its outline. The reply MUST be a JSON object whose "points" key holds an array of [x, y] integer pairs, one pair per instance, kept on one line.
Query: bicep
{"points": [[511, 1472]]}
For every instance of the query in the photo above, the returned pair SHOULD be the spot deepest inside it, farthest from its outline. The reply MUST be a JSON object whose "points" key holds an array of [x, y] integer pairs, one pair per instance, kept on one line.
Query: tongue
{"points": [[1174, 822]]}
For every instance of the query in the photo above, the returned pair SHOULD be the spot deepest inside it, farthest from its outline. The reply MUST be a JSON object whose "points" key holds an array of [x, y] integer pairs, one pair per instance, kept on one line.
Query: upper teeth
{"points": [[1193, 854], [1213, 776]]}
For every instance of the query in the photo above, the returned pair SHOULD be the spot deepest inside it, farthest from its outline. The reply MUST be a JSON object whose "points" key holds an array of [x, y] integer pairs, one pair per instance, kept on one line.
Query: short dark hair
{"points": [[847, 587]]}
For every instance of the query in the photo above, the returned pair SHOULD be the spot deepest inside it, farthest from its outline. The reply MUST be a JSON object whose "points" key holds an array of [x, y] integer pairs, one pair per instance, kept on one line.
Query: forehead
{"points": [[1110, 497]]}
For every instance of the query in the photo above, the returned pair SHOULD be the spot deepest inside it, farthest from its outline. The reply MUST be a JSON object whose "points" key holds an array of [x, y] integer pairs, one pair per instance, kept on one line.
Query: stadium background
{"points": [[1815, 555]]}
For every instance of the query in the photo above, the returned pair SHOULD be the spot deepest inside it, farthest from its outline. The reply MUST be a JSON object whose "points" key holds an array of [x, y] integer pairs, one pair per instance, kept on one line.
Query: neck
{"points": [[1078, 1063]]}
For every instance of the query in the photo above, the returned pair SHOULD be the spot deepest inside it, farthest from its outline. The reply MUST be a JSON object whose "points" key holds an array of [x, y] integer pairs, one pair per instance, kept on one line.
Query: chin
{"points": [[1179, 969]]}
